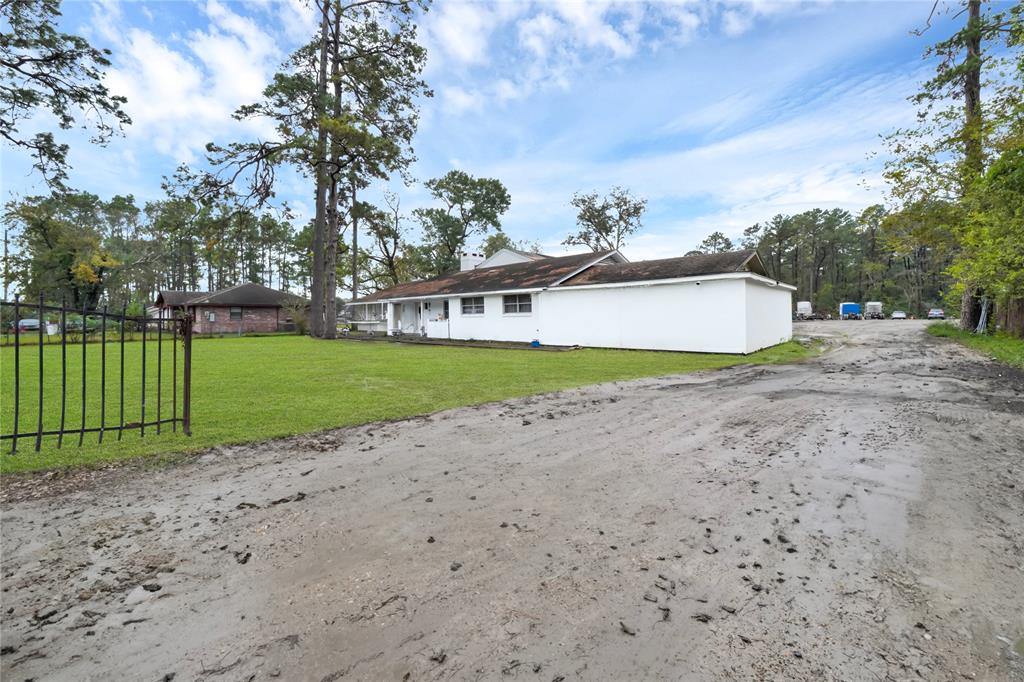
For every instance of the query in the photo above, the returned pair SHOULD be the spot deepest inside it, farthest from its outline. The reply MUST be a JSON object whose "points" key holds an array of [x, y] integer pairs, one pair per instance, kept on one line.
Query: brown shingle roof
{"points": [[670, 268], [177, 298], [549, 272], [543, 272], [249, 293]]}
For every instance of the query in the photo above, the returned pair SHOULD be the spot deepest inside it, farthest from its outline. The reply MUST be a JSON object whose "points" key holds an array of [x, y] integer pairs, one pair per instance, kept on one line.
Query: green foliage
{"points": [[496, 242], [992, 233], [716, 242], [499, 240], [604, 223], [92, 251], [368, 113], [832, 256], [470, 207], [947, 199], [136, 308], [44, 69], [387, 260], [1002, 347], [61, 250], [249, 389]]}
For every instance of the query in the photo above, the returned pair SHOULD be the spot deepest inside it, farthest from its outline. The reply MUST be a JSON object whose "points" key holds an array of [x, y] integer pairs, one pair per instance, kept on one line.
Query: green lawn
{"points": [[247, 389], [1002, 347]]}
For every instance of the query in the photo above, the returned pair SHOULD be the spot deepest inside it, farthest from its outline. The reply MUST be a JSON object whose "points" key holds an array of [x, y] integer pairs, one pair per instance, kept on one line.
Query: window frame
{"points": [[464, 305], [519, 303], [231, 313]]}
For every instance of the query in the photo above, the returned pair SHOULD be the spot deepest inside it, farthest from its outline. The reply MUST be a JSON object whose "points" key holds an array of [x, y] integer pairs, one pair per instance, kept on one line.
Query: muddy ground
{"points": [[855, 517]]}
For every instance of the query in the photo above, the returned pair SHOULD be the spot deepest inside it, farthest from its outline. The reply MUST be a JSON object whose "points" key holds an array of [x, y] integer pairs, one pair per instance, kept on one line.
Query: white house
{"points": [[717, 303]]}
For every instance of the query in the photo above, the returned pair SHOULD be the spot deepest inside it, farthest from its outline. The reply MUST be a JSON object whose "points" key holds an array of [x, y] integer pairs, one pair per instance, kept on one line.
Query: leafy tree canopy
{"points": [[59, 73], [469, 207], [605, 222]]}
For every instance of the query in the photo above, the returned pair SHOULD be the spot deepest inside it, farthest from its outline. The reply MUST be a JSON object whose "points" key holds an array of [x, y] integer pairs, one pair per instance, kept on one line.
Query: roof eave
{"points": [[740, 274]]}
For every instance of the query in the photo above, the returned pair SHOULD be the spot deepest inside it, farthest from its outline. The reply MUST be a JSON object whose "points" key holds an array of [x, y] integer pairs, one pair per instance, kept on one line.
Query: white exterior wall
{"points": [[735, 315], [683, 316], [769, 315], [494, 324]]}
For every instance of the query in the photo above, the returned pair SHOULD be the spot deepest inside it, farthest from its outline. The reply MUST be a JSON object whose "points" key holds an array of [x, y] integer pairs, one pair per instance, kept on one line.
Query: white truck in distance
{"points": [[873, 310], [803, 310]]}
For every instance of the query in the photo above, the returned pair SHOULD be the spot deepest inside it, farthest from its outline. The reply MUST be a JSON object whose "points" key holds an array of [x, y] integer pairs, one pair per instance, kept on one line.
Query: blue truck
{"points": [[849, 311]]}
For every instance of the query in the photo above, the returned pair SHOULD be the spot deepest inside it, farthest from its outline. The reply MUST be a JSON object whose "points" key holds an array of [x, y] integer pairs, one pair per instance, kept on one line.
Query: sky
{"points": [[720, 113]]}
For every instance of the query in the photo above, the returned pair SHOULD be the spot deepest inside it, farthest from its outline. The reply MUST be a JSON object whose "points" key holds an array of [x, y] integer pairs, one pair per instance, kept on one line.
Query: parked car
{"points": [[28, 324], [936, 314], [899, 315]]}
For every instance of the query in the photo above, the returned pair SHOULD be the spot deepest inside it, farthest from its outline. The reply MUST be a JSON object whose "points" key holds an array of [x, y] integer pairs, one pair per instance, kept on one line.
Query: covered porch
{"points": [[416, 317]]}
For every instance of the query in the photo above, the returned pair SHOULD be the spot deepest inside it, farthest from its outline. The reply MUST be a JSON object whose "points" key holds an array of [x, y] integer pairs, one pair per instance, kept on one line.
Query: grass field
{"points": [[248, 389], [1001, 347]]}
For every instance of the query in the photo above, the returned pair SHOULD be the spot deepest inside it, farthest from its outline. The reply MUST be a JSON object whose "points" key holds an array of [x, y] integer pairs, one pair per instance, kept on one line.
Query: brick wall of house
{"points": [[254, 320]]}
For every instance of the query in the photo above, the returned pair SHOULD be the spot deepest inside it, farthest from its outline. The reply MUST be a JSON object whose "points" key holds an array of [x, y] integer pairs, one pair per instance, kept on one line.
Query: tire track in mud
{"points": [[848, 518]]}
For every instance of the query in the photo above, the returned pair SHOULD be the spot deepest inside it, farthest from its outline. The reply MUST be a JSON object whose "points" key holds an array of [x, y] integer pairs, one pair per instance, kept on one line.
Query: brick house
{"points": [[242, 309]]}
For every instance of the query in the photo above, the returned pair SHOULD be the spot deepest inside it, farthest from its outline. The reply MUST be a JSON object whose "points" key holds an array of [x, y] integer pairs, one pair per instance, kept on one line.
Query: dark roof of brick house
{"points": [[586, 268], [178, 298], [670, 268], [248, 294]]}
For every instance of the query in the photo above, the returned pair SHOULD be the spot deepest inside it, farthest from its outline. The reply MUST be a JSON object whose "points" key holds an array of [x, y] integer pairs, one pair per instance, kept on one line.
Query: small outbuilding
{"points": [[712, 303], [243, 309]]}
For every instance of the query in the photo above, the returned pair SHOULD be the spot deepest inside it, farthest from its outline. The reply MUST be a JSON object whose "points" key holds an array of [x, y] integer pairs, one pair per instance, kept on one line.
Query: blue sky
{"points": [[720, 113]]}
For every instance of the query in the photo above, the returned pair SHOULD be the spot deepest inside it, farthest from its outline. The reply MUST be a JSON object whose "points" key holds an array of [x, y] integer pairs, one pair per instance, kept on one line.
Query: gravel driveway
{"points": [[855, 517]]}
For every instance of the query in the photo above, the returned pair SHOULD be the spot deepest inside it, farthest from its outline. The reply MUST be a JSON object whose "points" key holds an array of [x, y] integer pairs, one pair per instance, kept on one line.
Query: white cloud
{"points": [[736, 22], [298, 19], [814, 154], [504, 89], [181, 94], [459, 101], [589, 27], [460, 31], [537, 33]]}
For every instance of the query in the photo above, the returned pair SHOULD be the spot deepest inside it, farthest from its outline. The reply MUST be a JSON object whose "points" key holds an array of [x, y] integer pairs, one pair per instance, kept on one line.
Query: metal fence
{"points": [[78, 330]]}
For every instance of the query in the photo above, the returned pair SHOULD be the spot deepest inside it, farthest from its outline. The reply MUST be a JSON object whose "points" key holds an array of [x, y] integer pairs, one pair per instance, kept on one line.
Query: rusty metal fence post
{"points": [[51, 373]]}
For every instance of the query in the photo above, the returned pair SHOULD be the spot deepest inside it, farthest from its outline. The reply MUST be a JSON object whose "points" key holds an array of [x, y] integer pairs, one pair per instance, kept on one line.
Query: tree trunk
{"points": [[970, 309], [355, 246], [973, 151], [316, 307], [330, 265]]}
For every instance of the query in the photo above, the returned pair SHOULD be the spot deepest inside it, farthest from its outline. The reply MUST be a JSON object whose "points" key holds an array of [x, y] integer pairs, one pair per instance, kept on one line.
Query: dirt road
{"points": [[856, 517]]}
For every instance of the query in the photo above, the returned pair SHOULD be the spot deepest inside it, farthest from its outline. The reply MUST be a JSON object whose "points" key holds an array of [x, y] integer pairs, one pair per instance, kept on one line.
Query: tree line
{"points": [[832, 255], [344, 111]]}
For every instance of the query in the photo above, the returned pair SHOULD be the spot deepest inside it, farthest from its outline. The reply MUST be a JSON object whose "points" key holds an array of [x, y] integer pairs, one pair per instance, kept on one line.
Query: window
{"points": [[518, 304], [211, 316], [473, 306], [236, 312]]}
